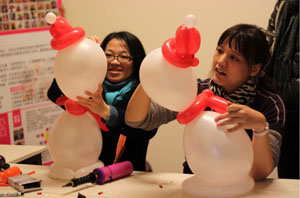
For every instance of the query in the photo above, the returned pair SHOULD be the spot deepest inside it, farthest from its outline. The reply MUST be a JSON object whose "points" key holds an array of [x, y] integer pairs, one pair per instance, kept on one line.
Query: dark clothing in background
{"points": [[284, 71]]}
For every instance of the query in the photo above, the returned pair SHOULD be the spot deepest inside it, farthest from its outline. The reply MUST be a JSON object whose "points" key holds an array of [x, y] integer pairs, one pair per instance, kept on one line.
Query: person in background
{"points": [[284, 72], [237, 75], [124, 53]]}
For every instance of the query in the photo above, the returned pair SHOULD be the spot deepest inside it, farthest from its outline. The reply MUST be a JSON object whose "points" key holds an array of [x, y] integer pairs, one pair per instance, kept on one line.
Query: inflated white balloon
{"points": [[172, 87], [75, 142], [220, 161], [79, 67], [190, 20], [50, 18]]}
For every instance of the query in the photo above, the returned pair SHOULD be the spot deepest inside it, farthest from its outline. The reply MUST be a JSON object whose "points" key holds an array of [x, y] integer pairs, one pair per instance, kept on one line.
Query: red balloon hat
{"points": [[63, 33], [180, 51]]}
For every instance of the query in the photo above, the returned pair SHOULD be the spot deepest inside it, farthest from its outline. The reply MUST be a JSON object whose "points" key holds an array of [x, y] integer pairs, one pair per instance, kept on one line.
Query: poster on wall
{"points": [[26, 72]]}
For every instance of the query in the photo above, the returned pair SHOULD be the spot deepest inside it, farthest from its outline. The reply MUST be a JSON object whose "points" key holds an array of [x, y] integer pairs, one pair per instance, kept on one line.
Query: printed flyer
{"points": [[26, 72]]}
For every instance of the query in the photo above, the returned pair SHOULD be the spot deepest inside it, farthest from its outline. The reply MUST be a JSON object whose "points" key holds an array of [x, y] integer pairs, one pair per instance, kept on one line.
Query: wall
{"points": [[154, 21]]}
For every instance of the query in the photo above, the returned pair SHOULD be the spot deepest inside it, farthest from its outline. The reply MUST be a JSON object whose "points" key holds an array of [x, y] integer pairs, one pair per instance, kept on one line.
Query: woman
{"points": [[239, 60], [124, 53]]}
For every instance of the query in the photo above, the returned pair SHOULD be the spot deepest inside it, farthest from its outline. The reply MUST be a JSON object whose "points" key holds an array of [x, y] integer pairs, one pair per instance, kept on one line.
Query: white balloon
{"points": [[50, 18], [220, 161], [75, 142], [190, 20], [172, 87], [79, 67]]}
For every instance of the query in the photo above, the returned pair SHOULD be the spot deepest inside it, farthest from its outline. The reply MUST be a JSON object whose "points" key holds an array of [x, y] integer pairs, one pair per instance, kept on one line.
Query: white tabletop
{"points": [[144, 185], [18, 153]]}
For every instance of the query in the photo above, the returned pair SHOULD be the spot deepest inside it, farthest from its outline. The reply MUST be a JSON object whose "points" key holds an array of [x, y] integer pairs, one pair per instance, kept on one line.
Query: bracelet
{"points": [[262, 133]]}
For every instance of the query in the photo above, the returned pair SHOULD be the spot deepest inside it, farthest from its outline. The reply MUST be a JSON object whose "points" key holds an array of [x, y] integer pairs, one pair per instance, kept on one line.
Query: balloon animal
{"points": [[220, 161], [75, 140], [167, 69]]}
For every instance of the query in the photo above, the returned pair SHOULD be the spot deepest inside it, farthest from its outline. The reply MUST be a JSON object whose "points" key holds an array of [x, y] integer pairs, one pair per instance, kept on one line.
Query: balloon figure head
{"points": [[180, 51], [165, 73], [63, 33]]}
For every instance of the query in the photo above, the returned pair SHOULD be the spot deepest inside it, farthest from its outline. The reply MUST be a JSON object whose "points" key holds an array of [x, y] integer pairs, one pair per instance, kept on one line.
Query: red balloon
{"points": [[64, 34], [218, 104], [61, 100], [194, 110], [203, 100], [180, 51], [74, 108]]}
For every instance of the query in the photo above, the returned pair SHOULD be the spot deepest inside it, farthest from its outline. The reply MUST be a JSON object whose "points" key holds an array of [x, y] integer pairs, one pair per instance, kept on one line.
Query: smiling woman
{"points": [[124, 53], [119, 61]]}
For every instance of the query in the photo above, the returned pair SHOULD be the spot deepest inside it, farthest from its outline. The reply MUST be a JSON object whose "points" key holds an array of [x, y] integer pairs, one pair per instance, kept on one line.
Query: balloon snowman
{"points": [[75, 140], [220, 161], [166, 75]]}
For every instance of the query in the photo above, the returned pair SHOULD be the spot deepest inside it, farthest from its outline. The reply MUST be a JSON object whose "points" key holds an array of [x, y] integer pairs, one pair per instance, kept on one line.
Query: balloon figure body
{"points": [[220, 161], [166, 75], [75, 140]]}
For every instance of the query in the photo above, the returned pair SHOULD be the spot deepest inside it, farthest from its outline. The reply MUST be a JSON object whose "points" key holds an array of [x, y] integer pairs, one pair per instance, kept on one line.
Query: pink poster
{"points": [[4, 129], [26, 71], [16, 117]]}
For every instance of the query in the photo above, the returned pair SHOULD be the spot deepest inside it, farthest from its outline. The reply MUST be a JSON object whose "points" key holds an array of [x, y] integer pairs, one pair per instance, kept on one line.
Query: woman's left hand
{"points": [[243, 117], [95, 103]]}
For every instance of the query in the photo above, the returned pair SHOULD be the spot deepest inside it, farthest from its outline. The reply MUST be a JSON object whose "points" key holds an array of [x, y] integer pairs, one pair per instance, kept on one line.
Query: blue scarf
{"points": [[115, 92]]}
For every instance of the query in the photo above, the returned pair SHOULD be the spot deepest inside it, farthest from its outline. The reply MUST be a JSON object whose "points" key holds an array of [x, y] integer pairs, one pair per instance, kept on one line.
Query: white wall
{"points": [[154, 21]]}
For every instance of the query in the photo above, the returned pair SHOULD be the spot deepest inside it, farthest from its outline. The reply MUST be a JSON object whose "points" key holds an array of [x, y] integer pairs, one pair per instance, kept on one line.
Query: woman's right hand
{"points": [[95, 102], [94, 38]]}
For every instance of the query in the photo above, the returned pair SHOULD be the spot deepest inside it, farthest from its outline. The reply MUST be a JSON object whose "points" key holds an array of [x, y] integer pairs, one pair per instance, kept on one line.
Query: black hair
{"points": [[250, 41], [135, 49]]}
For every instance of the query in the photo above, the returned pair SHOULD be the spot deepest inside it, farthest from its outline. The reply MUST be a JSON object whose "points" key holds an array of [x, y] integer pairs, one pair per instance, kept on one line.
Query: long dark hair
{"points": [[135, 48], [252, 43]]}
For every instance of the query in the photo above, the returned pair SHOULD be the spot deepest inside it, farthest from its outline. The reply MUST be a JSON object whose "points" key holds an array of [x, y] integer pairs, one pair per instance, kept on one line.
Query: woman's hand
{"points": [[95, 103], [94, 38], [243, 117]]}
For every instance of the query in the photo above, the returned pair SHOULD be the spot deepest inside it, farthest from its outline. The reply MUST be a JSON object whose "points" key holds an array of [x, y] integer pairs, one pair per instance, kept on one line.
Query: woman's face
{"points": [[230, 69], [118, 68]]}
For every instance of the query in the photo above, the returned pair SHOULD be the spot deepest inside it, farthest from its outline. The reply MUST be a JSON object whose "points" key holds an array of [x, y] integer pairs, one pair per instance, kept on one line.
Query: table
{"points": [[144, 185], [25, 154]]}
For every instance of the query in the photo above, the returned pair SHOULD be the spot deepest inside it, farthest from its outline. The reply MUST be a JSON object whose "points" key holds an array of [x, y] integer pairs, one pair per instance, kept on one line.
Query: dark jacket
{"points": [[137, 139], [284, 71]]}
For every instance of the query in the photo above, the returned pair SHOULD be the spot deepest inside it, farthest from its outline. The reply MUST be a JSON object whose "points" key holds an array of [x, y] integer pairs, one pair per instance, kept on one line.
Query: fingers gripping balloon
{"points": [[165, 73], [75, 140], [214, 156]]}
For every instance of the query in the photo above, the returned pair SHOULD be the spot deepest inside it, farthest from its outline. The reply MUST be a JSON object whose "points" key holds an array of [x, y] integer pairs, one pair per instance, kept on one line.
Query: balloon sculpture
{"points": [[75, 140], [220, 161], [166, 75]]}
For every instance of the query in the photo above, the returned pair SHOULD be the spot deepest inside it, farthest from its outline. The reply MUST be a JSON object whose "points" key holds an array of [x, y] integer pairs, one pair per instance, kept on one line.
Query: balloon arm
{"points": [[61, 100], [218, 104], [74, 108], [203, 100], [193, 111]]}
